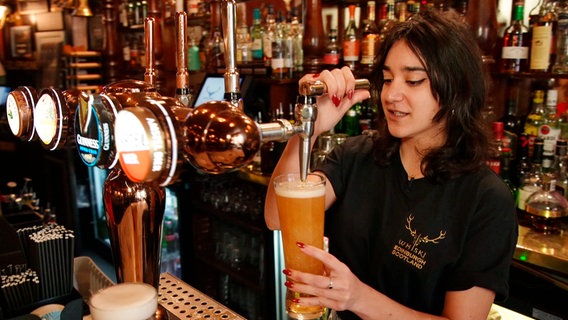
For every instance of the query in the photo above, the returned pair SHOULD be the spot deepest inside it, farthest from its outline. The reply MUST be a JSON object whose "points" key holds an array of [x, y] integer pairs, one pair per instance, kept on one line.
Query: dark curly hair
{"points": [[452, 59]]}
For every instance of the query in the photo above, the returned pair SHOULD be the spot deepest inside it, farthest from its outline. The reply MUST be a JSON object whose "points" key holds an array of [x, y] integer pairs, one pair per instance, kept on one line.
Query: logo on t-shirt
{"points": [[408, 251]]}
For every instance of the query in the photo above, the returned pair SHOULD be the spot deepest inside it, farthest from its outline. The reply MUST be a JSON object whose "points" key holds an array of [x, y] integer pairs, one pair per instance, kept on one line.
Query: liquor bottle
{"points": [[256, 32], [268, 36], [532, 181], [515, 51], [512, 124], [549, 130], [523, 162], [412, 7], [243, 42], [560, 167], [534, 118], [279, 69], [506, 171], [401, 10], [389, 21], [193, 56], [561, 63], [332, 55], [547, 207], [296, 35], [351, 41], [495, 161], [351, 122], [215, 57], [370, 38], [543, 45]]}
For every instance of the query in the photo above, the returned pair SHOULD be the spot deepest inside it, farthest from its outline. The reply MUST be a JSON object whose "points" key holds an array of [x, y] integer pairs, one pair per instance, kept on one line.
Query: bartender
{"points": [[419, 226]]}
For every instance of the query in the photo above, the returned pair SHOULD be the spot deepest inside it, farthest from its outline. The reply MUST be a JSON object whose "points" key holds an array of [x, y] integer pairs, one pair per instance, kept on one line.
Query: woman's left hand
{"points": [[338, 289]]}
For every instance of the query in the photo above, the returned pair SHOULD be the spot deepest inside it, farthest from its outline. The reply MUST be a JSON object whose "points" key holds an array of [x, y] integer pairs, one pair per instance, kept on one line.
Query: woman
{"points": [[419, 226]]}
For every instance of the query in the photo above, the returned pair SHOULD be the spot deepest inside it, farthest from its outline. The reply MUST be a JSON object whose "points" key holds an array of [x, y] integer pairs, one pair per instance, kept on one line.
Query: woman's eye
{"points": [[387, 80], [415, 82]]}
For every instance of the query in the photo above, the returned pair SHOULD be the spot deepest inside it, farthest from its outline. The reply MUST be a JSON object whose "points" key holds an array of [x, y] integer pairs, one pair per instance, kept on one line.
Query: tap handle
{"points": [[149, 37], [317, 88]]}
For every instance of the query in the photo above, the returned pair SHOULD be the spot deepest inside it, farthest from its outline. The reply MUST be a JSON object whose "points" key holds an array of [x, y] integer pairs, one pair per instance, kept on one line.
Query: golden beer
{"points": [[301, 208]]}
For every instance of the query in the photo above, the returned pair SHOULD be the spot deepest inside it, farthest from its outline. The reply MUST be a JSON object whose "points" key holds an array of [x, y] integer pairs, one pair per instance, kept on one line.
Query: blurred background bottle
{"points": [[369, 39], [256, 32], [332, 55], [516, 43], [351, 41]]}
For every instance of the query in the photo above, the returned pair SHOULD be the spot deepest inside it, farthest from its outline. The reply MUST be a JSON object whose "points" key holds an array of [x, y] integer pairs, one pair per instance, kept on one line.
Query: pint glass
{"points": [[301, 206]]}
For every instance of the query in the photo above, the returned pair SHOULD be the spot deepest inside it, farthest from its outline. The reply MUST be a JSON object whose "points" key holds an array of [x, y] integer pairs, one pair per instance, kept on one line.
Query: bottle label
{"points": [[515, 53], [540, 48], [257, 48], [523, 194], [550, 135], [351, 50], [368, 48], [331, 58]]}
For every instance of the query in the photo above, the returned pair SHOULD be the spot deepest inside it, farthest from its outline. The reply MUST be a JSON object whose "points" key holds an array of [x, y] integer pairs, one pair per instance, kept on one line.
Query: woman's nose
{"points": [[392, 93]]}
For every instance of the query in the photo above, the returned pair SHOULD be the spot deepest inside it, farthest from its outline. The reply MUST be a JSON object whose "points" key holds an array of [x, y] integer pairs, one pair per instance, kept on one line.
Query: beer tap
{"points": [[20, 106], [149, 130]]}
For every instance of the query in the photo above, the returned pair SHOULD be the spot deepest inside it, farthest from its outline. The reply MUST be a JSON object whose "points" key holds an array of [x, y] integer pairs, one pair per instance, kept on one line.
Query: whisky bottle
{"points": [[351, 41], [543, 45], [532, 181], [370, 38]]}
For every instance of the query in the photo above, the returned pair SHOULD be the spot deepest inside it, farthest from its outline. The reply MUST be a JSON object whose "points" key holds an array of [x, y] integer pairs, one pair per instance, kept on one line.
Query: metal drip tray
{"points": [[182, 301]]}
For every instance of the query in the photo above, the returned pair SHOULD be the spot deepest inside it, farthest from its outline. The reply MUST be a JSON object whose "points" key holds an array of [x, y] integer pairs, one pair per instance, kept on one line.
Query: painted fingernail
{"points": [[335, 99], [287, 272], [296, 300], [301, 245], [350, 94], [289, 284], [316, 75]]}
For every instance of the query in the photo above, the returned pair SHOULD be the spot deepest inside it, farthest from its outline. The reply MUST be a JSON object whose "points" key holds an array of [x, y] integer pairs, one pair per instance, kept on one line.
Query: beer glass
{"points": [[301, 206]]}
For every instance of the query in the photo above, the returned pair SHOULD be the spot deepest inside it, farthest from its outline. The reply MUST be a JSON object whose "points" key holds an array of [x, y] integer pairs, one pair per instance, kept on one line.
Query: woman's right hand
{"points": [[340, 96]]}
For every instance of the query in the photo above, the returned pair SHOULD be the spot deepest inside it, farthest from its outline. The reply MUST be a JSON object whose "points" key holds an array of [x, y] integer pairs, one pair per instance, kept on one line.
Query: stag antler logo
{"points": [[418, 238]]}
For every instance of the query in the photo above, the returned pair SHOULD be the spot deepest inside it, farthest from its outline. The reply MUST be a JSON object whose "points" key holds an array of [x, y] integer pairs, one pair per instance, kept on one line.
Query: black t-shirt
{"points": [[414, 240]]}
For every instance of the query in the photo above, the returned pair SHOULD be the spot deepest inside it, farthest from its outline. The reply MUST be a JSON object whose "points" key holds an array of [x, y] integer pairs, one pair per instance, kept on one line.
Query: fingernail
{"points": [[335, 99], [287, 272], [350, 94], [295, 300], [301, 245], [289, 284], [316, 75]]}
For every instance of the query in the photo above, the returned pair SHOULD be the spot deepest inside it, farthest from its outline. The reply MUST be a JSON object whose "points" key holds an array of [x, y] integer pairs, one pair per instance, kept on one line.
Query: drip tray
{"points": [[182, 301]]}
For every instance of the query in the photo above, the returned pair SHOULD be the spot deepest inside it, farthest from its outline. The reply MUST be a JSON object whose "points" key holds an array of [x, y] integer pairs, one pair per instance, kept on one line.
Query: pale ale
{"points": [[301, 206]]}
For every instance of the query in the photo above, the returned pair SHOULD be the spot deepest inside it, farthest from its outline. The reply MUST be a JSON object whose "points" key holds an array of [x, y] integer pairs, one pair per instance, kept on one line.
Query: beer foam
{"points": [[133, 301], [299, 190]]}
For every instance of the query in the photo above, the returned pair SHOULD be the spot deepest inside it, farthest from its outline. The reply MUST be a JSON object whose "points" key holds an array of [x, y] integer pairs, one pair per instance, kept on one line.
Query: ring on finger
{"points": [[330, 286]]}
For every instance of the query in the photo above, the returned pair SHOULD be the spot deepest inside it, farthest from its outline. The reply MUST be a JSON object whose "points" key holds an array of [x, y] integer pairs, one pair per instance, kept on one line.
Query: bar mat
{"points": [[185, 302]]}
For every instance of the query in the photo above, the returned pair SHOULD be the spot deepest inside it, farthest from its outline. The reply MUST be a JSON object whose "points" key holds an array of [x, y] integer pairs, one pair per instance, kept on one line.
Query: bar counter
{"points": [[543, 254]]}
